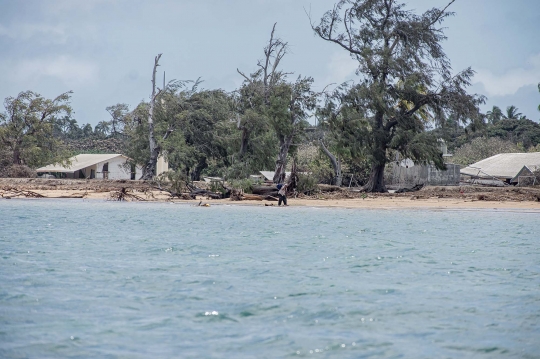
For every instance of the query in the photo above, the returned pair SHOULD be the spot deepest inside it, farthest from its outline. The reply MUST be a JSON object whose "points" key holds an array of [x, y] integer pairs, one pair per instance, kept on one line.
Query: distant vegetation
{"points": [[405, 99]]}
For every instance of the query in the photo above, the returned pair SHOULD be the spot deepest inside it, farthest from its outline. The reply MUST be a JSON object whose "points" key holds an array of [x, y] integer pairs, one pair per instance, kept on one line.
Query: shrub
{"points": [[242, 184], [17, 171], [307, 184]]}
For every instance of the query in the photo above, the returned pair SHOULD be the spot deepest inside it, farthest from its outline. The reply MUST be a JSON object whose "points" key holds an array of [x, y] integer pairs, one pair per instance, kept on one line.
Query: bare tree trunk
{"points": [[281, 163], [376, 179], [149, 170], [336, 164], [17, 156], [245, 141], [201, 165]]}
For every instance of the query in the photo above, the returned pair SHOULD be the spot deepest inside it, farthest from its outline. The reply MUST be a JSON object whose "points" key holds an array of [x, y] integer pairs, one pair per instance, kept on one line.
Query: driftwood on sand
{"points": [[416, 188], [124, 194], [11, 192]]}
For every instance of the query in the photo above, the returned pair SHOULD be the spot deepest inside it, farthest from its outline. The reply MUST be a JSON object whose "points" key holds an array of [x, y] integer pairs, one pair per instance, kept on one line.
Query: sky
{"points": [[103, 50]]}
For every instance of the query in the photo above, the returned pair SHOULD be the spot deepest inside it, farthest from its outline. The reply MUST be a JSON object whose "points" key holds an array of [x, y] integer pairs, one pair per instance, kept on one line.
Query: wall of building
{"points": [[117, 169], [424, 174]]}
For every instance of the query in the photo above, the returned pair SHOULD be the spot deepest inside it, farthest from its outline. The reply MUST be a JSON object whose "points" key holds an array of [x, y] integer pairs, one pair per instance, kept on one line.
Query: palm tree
{"points": [[495, 115], [513, 114], [102, 128]]}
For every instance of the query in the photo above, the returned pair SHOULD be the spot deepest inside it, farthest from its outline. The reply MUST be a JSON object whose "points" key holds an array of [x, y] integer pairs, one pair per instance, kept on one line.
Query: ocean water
{"points": [[92, 279]]}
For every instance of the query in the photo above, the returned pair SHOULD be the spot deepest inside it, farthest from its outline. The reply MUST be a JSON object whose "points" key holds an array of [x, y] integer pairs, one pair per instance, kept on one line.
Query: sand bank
{"points": [[512, 198], [375, 202]]}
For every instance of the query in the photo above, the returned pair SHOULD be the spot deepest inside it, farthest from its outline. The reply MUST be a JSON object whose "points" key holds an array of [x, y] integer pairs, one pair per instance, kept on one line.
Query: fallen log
{"points": [[263, 190], [418, 187], [203, 192], [252, 197]]}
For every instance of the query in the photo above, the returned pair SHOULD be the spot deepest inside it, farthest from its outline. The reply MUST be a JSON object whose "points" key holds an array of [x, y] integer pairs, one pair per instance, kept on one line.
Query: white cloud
{"points": [[511, 81], [69, 70], [341, 68]]}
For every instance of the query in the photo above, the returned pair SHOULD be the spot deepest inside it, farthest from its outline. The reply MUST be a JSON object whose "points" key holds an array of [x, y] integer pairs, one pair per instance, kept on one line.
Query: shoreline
{"points": [[434, 198], [372, 202]]}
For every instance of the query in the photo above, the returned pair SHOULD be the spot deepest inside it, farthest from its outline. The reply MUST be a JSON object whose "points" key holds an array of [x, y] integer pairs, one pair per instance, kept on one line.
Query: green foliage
{"points": [[513, 114], [481, 148], [176, 181], [516, 130], [307, 183], [27, 128], [494, 115], [405, 81], [242, 184], [188, 126]]}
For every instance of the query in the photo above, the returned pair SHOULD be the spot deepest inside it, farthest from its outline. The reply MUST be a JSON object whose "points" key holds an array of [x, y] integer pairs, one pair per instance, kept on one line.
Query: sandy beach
{"points": [[513, 198]]}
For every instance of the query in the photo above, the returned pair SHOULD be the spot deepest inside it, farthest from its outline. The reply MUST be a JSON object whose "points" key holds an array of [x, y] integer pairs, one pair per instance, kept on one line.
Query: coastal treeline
{"points": [[405, 100]]}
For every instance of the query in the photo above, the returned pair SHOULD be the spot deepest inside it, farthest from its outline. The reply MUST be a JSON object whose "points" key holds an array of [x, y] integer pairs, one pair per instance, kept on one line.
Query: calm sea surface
{"points": [[91, 279]]}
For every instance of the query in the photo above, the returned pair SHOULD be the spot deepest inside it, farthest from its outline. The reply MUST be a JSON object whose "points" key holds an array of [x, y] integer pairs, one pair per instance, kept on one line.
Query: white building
{"points": [[104, 166]]}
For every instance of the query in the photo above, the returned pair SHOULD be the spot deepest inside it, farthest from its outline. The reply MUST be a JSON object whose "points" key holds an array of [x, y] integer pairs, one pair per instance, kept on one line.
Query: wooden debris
{"points": [[10, 192], [124, 194]]}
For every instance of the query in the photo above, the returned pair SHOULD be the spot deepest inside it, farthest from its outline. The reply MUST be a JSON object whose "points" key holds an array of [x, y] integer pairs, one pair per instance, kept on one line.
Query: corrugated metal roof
{"points": [[79, 162], [503, 165]]}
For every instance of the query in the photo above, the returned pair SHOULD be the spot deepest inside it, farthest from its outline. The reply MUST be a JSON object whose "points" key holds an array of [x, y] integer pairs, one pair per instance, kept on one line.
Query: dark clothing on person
{"points": [[282, 194]]}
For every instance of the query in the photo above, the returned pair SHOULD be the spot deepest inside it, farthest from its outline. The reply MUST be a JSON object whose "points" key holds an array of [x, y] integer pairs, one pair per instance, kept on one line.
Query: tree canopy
{"points": [[27, 127], [403, 71]]}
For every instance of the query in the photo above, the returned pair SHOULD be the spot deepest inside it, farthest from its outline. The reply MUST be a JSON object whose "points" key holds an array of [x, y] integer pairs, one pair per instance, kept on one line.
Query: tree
{"points": [[495, 115], [539, 91], [102, 129], [186, 123], [194, 117], [149, 170], [26, 128], [512, 113], [286, 105], [335, 162], [118, 113], [522, 131], [400, 59], [481, 148]]}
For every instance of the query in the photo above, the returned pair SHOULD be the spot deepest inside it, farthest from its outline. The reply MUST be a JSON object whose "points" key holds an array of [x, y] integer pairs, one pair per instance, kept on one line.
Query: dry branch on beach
{"points": [[125, 194], [10, 192]]}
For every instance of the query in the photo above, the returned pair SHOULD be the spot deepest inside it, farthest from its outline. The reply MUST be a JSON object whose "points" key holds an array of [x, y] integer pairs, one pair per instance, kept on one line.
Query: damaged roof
{"points": [[503, 165]]}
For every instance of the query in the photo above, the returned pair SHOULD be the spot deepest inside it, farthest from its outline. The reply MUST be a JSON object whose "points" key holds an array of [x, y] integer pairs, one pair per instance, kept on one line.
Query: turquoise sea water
{"points": [[92, 279]]}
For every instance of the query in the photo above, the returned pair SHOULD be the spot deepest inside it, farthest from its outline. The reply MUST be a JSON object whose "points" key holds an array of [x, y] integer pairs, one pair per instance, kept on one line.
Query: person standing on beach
{"points": [[282, 194]]}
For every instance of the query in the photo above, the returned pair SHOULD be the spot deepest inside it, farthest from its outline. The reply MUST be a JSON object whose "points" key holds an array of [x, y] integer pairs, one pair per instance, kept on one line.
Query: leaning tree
{"points": [[27, 128], [403, 72]]}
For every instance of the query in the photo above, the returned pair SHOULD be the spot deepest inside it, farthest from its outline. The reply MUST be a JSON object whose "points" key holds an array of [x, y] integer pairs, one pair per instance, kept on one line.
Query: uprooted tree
{"points": [[403, 71]]}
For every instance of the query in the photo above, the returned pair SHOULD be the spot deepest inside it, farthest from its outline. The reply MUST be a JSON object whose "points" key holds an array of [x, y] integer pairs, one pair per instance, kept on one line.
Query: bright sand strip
{"points": [[369, 203]]}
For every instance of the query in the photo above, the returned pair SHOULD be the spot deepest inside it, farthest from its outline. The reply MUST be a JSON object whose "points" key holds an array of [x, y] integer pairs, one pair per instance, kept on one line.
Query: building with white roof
{"points": [[104, 166], [507, 167]]}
